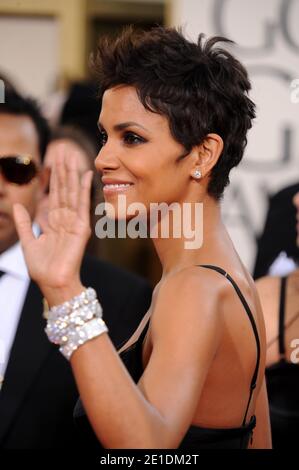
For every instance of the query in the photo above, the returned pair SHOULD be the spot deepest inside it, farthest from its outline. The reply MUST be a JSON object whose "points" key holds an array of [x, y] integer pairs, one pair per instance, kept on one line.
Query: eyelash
{"points": [[103, 138], [127, 136]]}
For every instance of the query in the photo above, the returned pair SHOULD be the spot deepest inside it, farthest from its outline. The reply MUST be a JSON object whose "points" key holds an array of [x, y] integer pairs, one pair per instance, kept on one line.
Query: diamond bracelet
{"points": [[79, 336], [76, 321], [79, 301]]}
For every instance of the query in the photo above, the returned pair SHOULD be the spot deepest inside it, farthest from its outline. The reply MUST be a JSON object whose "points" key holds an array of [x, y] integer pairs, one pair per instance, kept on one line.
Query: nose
{"points": [[106, 160]]}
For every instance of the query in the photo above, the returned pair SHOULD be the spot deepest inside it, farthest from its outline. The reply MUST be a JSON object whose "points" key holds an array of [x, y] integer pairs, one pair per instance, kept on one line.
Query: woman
{"points": [[173, 123], [280, 300]]}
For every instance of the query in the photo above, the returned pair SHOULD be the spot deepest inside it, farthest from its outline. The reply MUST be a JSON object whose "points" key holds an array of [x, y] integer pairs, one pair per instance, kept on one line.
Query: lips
{"points": [[112, 185], [116, 188], [107, 180]]}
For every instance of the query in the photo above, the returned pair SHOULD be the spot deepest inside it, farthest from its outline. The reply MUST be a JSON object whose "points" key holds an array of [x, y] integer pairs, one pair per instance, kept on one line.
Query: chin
{"points": [[124, 208]]}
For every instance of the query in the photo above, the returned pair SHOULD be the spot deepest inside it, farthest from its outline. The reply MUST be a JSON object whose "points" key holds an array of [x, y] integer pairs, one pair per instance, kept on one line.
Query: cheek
{"points": [[155, 174], [26, 195], [159, 190], [151, 172], [140, 167]]}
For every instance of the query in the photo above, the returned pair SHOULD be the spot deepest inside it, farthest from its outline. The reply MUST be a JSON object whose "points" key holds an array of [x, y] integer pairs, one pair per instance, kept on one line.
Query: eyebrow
{"points": [[123, 125]]}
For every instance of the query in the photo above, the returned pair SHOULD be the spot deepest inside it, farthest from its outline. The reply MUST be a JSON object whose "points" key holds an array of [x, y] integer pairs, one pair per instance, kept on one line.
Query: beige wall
{"points": [[41, 40], [31, 64], [268, 37], [55, 35]]}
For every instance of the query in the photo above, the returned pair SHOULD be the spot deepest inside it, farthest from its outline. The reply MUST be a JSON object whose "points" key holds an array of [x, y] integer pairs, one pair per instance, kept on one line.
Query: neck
{"points": [[202, 226]]}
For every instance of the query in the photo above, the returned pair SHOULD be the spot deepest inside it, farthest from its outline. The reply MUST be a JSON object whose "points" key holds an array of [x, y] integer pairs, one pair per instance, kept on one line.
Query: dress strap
{"points": [[253, 324], [138, 334], [281, 329]]}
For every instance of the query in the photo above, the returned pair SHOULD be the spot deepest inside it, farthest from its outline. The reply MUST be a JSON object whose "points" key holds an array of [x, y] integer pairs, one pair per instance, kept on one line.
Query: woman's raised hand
{"points": [[54, 258]]}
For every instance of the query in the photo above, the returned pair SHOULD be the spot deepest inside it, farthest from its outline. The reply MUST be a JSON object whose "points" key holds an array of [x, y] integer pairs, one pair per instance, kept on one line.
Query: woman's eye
{"points": [[103, 138], [132, 139]]}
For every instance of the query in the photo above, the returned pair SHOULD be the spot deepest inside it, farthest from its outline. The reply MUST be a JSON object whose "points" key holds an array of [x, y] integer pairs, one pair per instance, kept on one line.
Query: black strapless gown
{"points": [[196, 438]]}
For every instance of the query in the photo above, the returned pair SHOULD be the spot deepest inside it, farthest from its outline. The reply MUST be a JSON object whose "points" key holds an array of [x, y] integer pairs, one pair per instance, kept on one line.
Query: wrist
{"points": [[62, 293], [75, 321]]}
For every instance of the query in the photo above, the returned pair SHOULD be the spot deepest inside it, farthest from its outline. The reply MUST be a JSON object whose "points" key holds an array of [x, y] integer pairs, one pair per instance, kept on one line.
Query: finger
{"points": [[61, 177], [23, 224], [53, 188], [84, 202], [43, 222], [73, 181]]}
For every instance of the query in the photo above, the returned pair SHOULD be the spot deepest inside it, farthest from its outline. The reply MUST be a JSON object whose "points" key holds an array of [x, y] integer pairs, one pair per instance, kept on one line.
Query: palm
{"points": [[54, 258]]}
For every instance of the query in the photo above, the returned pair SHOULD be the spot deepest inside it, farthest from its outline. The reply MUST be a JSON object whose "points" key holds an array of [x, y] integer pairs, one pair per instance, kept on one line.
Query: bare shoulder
{"points": [[185, 321], [192, 285], [192, 294]]}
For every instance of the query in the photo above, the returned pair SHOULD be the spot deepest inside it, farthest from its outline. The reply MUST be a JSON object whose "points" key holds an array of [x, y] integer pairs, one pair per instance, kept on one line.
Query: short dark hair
{"points": [[20, 106], [200, 88]]}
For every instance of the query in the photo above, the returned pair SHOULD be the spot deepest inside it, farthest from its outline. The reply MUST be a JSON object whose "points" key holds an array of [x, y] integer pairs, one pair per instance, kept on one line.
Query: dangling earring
{"points": [[197, 174]]}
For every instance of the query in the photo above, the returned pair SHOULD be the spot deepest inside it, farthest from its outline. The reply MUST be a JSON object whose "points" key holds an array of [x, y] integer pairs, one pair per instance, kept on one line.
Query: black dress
{"points": [[196, 437], [283, 389]]}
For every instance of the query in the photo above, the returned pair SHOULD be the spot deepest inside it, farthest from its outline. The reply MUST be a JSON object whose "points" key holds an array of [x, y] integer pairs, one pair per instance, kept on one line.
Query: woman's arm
{"points": [[157, 412]]}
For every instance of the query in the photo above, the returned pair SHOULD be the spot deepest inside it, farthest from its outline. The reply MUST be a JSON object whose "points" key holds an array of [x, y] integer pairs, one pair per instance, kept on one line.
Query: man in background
{"points": [[38, 392]]}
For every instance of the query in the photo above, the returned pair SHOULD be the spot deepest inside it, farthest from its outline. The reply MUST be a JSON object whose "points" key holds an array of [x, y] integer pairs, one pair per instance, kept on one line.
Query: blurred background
{"points": [[45, 47]]}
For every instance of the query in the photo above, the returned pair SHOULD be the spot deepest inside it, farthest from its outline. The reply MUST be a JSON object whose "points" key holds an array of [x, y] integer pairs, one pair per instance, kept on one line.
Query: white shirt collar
{"points": [[12, 261]]}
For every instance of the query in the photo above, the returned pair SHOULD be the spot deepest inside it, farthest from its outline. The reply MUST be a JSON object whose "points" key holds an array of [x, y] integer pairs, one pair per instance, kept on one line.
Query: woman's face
{"points": [[296, 203], [139, 153]]}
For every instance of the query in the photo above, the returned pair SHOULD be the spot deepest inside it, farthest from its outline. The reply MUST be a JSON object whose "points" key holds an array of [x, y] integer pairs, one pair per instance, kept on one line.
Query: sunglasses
{"points": [[18, 169]]}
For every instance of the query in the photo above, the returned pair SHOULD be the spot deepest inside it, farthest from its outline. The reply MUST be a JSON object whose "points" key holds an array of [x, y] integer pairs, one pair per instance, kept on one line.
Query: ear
{"points": [[207, 154]]}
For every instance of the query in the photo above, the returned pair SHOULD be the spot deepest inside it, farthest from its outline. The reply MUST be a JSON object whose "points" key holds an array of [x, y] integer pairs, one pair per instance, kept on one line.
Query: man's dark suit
{"points": [[38, 394]]}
